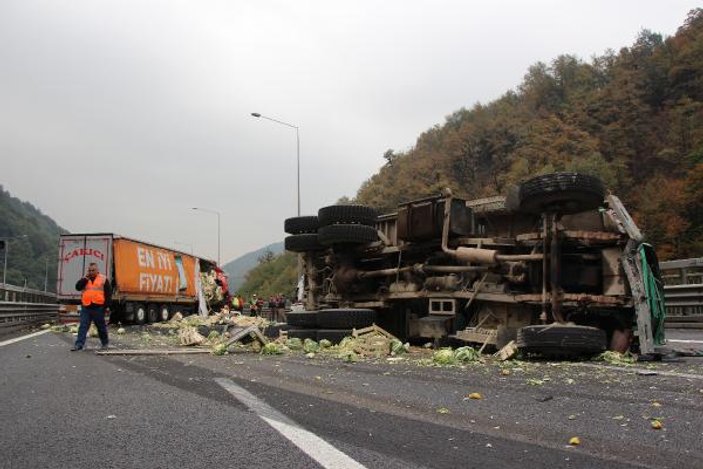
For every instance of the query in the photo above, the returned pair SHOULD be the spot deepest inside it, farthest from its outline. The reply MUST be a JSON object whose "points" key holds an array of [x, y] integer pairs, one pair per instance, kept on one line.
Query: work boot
{"points": [[75, 348]]}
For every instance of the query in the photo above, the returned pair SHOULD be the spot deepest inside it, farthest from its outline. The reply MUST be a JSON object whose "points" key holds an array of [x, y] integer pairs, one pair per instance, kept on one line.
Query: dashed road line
{"points": [[318, 449], [24, 337]]}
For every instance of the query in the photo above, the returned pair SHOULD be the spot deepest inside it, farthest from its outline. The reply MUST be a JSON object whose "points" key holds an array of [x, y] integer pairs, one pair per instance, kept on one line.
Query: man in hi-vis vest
{"points": [[95, 298]]}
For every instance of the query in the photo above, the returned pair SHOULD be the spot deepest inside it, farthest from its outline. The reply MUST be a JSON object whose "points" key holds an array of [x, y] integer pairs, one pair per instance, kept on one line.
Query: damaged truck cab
{"points": [[558, 266]]}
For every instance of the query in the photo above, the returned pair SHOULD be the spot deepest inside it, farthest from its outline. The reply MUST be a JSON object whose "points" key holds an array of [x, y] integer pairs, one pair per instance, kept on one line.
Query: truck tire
{"points": [[347, 234], [302, 334], [333, 335], [298, 225], [345, 318], [140, 314], [152, 313], [304, 242], [562, 193], [302, 318], [347, 214], [164, 313], [555, 340]]}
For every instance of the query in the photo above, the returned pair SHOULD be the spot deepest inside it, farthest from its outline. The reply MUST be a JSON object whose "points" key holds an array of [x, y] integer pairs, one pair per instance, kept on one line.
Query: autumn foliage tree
{"points": [[632, 117]]}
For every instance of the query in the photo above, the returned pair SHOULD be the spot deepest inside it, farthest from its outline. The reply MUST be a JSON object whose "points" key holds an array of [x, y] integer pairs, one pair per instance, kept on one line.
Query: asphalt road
{"points": [[64, 409]]}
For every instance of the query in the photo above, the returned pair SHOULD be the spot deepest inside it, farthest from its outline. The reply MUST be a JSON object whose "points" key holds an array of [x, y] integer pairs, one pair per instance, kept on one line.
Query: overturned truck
{"points": [[557, 265]]}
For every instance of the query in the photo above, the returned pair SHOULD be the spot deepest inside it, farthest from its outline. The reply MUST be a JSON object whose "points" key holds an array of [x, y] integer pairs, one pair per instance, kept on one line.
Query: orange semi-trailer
{"points": [[150, 283]]}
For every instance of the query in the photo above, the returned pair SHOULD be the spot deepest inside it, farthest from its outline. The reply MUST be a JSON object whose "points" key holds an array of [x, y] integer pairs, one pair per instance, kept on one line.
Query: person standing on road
{"points": [[97, 293], [253, 306]]}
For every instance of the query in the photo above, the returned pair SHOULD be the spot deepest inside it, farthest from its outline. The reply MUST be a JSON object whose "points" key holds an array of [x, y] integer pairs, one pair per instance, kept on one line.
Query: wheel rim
{"points": [[164, 314], [141, 314]]}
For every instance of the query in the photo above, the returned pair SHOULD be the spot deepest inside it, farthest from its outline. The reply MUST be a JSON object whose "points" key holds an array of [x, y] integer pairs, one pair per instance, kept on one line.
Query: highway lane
{"points": [[57, 409]]}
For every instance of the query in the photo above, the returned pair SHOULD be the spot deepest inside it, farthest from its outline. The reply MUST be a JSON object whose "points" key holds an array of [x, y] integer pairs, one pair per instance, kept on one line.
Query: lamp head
{"points": [[256, 114]]}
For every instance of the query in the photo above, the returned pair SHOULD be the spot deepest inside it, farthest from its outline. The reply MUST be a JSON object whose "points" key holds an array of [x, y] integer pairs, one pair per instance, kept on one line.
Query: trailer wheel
{"points": [[302, 334], [302, 318], [152, 313], [345, 318], [164, 313], [303, 242], [347, 234], [140, 314], [556, 340], [347, 214], [333, 335], [561, 193], [298, 225]]}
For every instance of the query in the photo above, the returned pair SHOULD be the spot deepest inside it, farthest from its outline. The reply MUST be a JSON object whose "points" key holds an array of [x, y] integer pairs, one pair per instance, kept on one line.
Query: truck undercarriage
{"points": [[556, 265]]}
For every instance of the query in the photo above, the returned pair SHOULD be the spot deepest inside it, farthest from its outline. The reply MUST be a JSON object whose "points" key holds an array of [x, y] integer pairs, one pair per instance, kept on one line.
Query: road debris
{"points": [[574, 441], [443, 410], [656, 424], [475, 395], [507, 352], [617, 358], [535, 382]]}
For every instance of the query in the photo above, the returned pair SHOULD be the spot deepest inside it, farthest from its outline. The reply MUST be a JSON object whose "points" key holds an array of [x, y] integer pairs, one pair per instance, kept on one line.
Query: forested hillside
{"points": [[633, 117], [32, 243]]}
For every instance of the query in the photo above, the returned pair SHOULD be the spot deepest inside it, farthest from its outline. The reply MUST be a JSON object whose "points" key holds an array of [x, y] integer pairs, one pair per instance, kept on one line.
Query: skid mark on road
{"points": [[17, 339], [312, 445]]}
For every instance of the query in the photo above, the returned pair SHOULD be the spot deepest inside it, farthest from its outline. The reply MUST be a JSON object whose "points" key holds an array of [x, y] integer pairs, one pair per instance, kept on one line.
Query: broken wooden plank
{"points": [[154, 351], [507, 352], [238, 333]]}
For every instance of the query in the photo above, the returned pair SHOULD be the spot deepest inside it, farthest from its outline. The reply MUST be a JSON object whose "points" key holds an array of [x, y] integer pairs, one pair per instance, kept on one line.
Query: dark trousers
{"points": [[90, 314]]}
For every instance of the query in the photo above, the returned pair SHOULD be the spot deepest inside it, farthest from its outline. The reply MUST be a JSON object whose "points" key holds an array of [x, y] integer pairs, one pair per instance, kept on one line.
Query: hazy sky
{"points": [[118, 116]]}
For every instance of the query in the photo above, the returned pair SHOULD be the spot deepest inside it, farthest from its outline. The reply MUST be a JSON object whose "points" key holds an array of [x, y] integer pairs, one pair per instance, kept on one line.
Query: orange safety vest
{"points": [[94, 291]]}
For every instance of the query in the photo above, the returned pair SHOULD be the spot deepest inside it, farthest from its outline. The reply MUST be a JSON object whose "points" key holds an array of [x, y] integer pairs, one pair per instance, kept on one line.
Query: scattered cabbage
{"points": [[466, 354], [294, 344], [324, 343], [398, 348], [310, 346], [272, 348], [444, 356]]}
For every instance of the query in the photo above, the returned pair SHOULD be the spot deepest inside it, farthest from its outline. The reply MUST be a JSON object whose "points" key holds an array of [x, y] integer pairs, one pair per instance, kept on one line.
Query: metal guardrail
{"points": [[683, 292], [16, 315], [13, 293]]}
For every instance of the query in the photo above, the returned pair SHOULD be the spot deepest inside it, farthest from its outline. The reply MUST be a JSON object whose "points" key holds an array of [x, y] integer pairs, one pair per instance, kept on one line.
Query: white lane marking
{"points": [[17, 339], [318, 449], [685, 341]]}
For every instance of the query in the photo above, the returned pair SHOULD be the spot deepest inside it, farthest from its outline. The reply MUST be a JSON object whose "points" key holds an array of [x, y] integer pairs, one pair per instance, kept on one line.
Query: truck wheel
{"points": [[333, 335], [302, 318], [347, 214], [562, 193], [303, 242], [152, 314], [347, 234], [556, 340], [302, 334], [298, 225], [140, 316], [345, 318], [164, 313]]}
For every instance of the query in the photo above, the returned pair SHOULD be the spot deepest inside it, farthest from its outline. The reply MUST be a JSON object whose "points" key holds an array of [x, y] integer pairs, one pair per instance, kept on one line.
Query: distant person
{"points": [[281, 308], [254, 306], [272, 308], [97, 293]]}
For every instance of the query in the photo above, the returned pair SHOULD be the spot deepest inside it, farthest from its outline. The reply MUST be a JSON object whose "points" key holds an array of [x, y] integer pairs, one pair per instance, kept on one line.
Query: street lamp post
{"points": [[218, 228], [7, 251], [297, 139]]}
